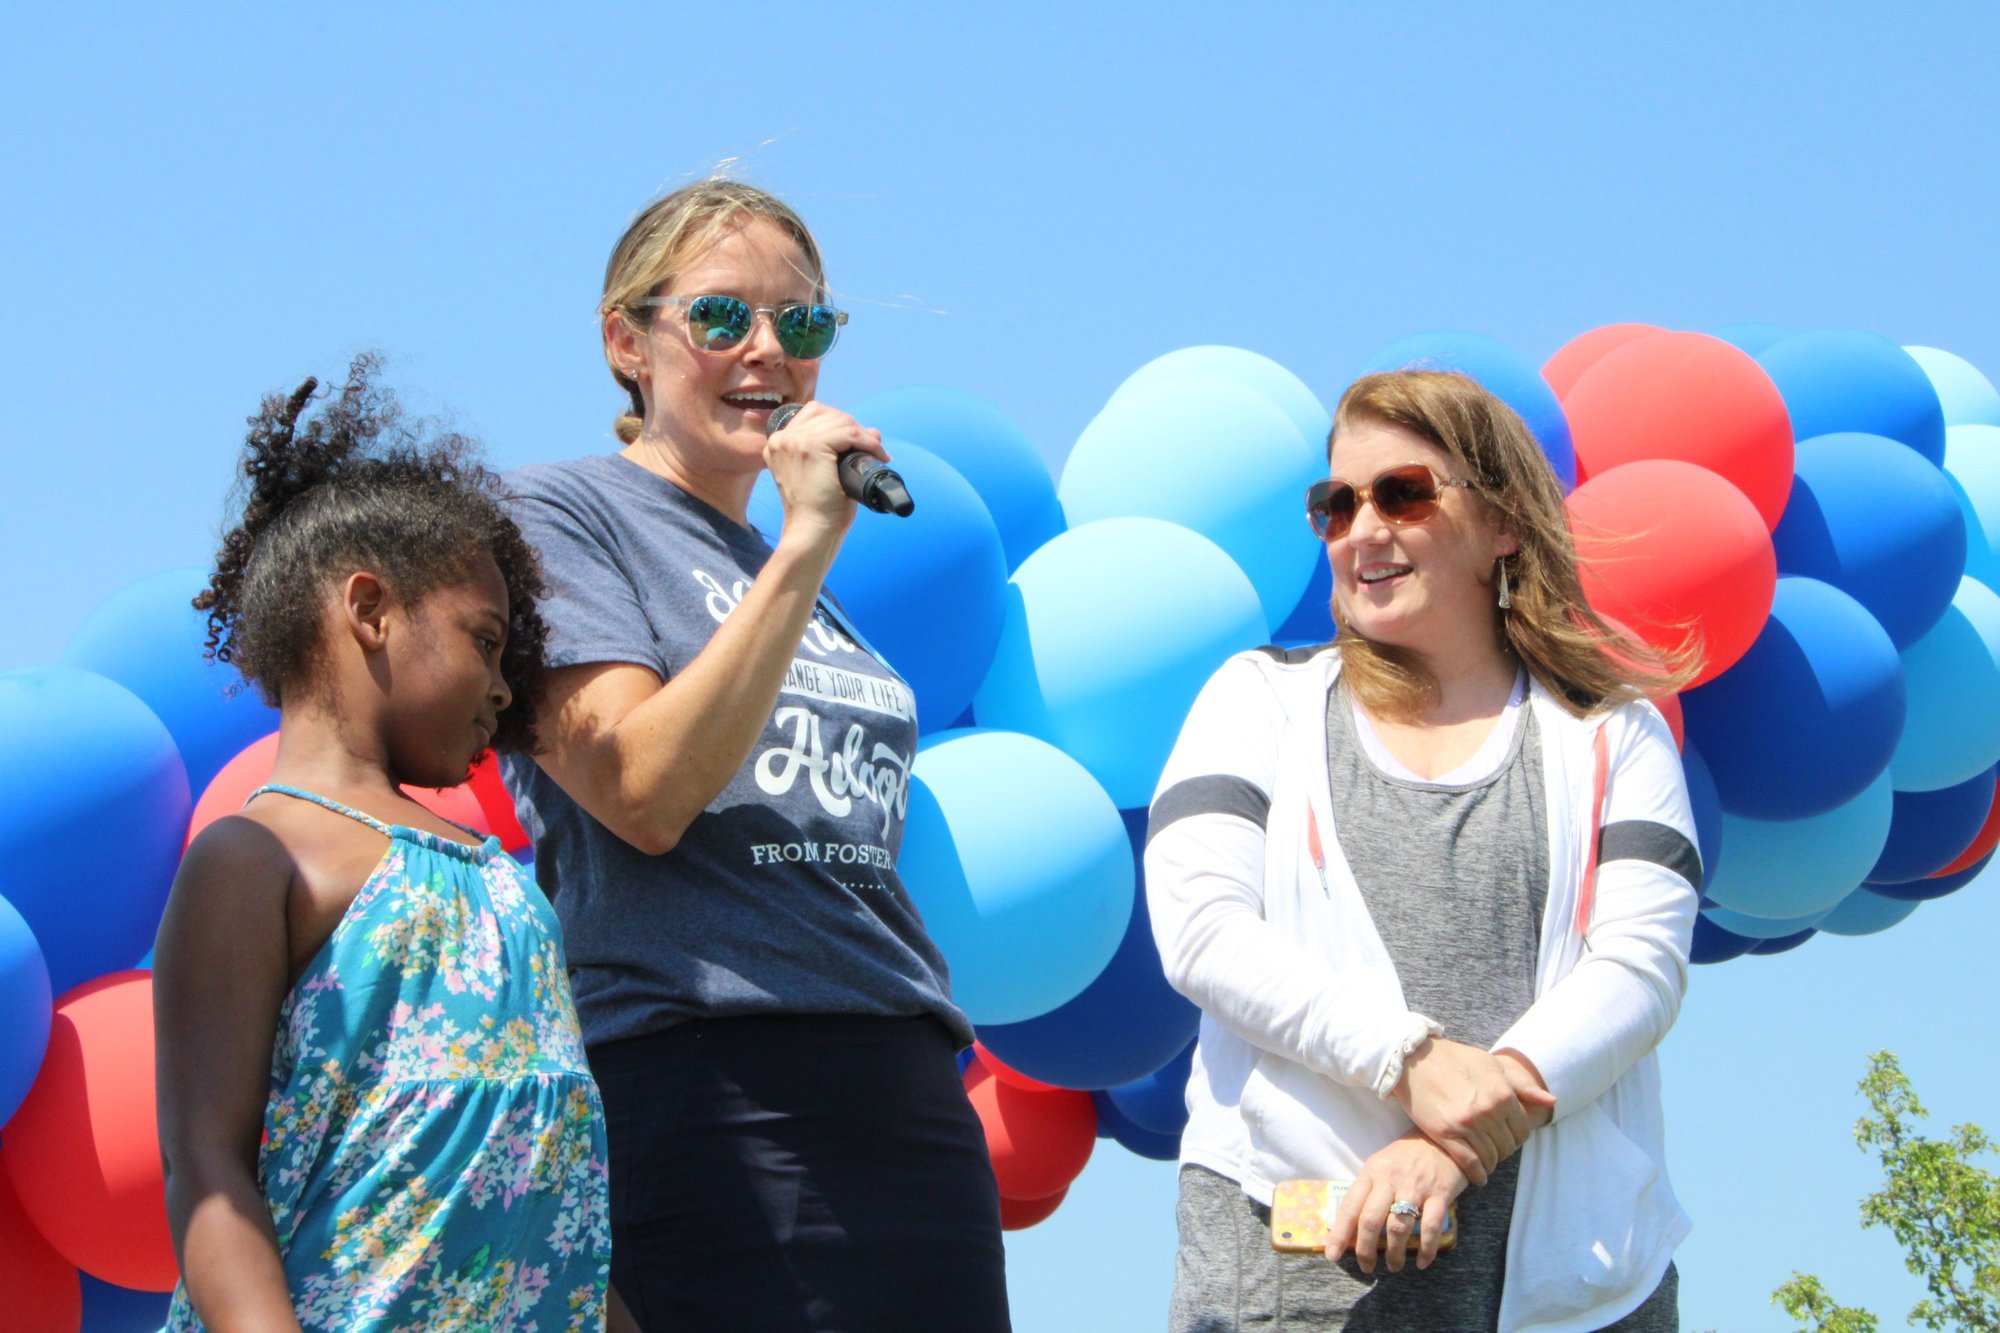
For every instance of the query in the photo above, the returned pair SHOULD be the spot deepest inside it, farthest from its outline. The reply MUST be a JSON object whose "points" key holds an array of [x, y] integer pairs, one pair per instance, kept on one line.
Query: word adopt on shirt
{"points": [[839, 777]]}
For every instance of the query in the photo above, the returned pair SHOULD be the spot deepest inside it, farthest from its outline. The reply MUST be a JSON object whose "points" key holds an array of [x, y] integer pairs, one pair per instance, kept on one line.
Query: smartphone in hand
{"points": [[1302, 1214]]}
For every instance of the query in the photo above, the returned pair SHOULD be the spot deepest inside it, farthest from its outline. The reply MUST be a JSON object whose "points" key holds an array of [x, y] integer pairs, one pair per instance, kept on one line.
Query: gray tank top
{"points": [[1454, 876]]}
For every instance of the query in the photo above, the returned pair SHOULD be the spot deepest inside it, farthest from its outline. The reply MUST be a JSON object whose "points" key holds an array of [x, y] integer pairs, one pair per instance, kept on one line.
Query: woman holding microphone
{"points": [[716, 818]]}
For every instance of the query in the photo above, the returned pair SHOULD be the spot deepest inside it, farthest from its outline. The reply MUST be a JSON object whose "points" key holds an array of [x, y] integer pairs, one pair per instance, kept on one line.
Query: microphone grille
{"points": [[781, 416]]}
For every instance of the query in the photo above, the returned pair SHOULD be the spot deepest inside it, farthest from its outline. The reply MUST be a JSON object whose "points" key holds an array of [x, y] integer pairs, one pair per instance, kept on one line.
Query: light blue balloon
{"points": [[149, 639], [927, 591], [1789, 868], [1506, 375], [1258, 373], [1966, 395], [1836, 380], [1020, 866], [986, 448], [1751, 337], [1111, 630], [94, 807], [1214, 457], [1951, 731], [1972, 461], [25, 1004], [1874, 519], [1757, 927], [1865, 912]]}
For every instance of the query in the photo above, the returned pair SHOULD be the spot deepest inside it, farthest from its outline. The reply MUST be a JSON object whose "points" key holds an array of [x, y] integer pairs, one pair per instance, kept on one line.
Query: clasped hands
{"points": [[1472, 1109]]}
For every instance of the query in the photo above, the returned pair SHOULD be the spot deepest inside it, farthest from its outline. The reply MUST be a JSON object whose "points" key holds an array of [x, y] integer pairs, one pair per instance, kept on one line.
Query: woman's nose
{"points": [[1368, 526], [761, 346]]}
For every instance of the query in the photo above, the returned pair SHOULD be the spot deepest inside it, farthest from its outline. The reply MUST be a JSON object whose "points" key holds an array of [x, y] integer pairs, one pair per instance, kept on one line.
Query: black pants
{"points": [[810, 1173]]}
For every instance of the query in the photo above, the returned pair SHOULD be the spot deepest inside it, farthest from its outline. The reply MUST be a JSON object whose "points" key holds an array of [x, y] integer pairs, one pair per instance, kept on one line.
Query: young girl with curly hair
{"points": [[375, 1110]]}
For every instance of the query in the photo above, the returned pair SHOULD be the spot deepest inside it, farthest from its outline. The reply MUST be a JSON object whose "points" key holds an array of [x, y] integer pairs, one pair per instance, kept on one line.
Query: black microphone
{"points": [[867, 480]]}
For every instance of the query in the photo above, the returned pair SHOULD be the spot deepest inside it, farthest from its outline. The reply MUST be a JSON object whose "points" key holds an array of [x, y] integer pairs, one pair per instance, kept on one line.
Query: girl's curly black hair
{"points": [[356, 486]]}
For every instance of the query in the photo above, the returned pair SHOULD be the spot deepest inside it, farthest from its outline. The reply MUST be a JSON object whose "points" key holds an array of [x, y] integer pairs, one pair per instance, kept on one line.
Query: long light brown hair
{"points": [[1550, 628], [665, 238]]}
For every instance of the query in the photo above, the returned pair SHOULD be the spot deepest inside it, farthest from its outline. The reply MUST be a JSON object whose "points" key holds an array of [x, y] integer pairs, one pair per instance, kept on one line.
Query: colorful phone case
{"points": [[1302, 1213]]}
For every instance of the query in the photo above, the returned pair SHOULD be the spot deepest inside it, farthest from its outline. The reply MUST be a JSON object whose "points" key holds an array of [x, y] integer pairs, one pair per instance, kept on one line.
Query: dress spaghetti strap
{"points": [[433, 1154], [323, 801]]}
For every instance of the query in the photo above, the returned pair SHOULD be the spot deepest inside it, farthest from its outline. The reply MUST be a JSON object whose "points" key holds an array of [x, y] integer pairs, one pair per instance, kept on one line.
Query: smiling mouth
{"points": [[1380, 572], [753, 402]]}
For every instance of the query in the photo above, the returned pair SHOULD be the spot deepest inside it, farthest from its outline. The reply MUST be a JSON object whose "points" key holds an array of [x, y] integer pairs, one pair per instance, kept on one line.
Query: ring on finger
{"points": [[1405, 1209]]}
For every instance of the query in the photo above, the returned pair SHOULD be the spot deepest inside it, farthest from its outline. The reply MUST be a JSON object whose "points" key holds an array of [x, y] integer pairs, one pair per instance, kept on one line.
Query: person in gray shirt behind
{"points": [[716, 818]]}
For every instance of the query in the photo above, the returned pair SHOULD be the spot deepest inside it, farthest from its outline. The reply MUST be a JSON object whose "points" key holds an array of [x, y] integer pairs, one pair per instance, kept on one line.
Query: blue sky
{"points": [[1025, 202]]}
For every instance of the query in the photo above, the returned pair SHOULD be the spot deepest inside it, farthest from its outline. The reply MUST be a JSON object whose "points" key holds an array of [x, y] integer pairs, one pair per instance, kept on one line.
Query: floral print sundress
{"points": [[433, 1148]]}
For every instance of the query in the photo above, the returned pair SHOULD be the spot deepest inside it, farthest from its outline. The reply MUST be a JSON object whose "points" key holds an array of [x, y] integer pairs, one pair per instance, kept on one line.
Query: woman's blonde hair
{"points": [[668, 235], [1564, 644]]}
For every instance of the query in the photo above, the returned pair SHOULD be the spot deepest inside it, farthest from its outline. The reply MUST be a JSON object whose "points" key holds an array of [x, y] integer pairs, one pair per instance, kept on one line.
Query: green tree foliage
{"points": [[1942, 1207]]}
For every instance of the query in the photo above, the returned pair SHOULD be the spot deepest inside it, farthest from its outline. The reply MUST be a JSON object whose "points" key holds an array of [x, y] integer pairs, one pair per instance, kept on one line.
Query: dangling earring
{"points": [[1505, 600]]}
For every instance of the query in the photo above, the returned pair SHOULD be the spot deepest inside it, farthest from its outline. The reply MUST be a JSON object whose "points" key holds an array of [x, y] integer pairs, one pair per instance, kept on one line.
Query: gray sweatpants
{"points": [[1228, 1278]]}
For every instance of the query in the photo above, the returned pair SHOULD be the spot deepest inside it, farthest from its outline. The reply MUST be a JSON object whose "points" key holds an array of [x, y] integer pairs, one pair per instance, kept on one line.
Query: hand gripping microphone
{"points": [[867, 480]]}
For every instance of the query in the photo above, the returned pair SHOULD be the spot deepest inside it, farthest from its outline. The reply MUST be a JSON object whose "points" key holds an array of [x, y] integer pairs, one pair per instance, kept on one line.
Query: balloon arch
{"points": [[1821, 509]]}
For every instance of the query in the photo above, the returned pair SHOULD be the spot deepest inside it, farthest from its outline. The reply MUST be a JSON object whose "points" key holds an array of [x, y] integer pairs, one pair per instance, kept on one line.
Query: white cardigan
{"points": [[1303, 1017]]}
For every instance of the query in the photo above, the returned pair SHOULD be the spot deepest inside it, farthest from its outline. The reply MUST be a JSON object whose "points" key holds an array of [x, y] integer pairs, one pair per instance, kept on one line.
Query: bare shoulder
{"points": [[237, 855]]}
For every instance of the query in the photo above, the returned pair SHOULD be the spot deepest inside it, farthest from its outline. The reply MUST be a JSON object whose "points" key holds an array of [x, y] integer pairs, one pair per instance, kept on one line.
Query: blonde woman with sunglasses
{"points": [[1432, 886], [716, 818]]}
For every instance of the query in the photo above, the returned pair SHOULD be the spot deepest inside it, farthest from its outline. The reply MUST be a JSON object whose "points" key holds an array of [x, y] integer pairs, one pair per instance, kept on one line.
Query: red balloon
{"points": [[477, 804], [1670, 549], [498, 803], [1987, 839], [83, 1152], [1007, 1073], [1689, 397], [1020, 1214], [44, 1294], [232, 785], [1587, 349], [1039, 1141]]}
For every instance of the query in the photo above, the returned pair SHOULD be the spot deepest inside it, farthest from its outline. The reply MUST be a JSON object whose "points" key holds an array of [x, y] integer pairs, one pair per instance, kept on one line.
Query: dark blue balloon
{"points": [[1507, 376], [1751, 337], [109, 1309], [94, 806], [1713, 944], [1871, 517], [1845, 380], [1810, 716], [1706, 805], [1930, 829], [1311, 620], [1782, 944], [149, 639], [1923, 890], [1122, 1026], [1115, 1125], [1158, 1102]]}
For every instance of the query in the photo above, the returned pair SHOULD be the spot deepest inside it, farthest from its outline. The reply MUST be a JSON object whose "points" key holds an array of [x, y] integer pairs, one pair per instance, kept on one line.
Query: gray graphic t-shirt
{"points": [[782, 896]]}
